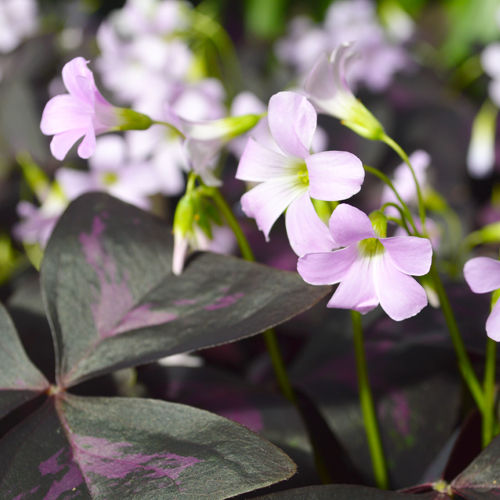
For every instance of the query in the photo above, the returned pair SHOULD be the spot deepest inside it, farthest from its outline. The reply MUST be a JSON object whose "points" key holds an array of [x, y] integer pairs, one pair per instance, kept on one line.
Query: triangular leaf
{"points": [[118, 448], [20, 380], [114, 302]]}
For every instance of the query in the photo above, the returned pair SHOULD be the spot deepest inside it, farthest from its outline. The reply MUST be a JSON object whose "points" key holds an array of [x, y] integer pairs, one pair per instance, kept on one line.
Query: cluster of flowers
{"points": [[352, 250], [381, 49]]}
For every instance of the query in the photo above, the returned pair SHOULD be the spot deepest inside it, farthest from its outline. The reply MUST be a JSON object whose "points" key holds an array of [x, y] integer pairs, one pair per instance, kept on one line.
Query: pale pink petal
{"points": [[356, 290], [292, 121], [76, 182], [62, 143], [72, 71], [63, 113], [493, 323], [181, 246], [490, 60], [411, 255], [400, 295], [326, 268], [482, 274], [259, 164], [87, 147], [348, 225], [334, 175], [267, 201], [110, 153], [305, 230]]}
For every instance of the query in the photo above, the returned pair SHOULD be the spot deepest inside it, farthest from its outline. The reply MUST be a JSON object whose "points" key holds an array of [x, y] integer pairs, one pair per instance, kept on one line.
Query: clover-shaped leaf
{"points": [[114, 302], [20, 381]]}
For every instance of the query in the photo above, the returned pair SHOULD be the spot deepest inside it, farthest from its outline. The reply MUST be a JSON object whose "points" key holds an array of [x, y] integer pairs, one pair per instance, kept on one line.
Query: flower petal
{"points": [[482, 274], [356, 290], [400, 295], [76, 182], [259, 164], [63, 113], [326, 268], [334, 175], [71, 73], [87, 147], [292, 120], [62, 143], [348, 225], [409, 254], [305, 230], [267, 201], [110, 153], [493, 323]]}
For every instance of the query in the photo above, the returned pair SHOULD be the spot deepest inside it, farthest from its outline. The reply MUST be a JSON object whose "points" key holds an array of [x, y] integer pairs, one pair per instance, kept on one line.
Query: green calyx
{"points": [[195, 209], [133, 120], [237, 125], [361, 121]]}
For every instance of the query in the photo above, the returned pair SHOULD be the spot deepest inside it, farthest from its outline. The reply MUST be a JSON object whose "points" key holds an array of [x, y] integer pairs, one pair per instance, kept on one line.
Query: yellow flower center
{"points": [[371, 247]]}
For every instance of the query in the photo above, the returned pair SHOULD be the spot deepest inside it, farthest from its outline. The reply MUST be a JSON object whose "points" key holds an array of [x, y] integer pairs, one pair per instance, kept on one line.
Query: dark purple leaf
{"points": [[114, 302], [254, 407], [416, 389], [116, 448], [20, 381], [481, 479], [348, 492]]}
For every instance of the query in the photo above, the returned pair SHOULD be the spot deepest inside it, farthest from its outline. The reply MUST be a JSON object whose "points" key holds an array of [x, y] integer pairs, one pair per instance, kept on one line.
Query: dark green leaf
{"points": [[20, 381], [114, 302], [117, 448]]}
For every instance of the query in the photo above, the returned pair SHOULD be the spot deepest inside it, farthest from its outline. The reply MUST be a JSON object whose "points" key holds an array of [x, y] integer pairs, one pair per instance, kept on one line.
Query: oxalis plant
{"points": [[113, 302], [123, 289]]}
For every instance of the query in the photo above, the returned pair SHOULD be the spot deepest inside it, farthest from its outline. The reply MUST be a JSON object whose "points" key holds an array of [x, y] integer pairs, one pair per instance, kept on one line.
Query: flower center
{"points": [[370, 247], [109, 178], [304, 176]]}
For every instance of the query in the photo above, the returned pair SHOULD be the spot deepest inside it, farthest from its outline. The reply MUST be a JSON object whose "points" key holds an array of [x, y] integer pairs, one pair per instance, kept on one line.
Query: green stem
{"points": [[399, 150], [171, 127], [489, 421], [464, 363], [269, 335], [368, 406], [386, 180], [401, 222]]}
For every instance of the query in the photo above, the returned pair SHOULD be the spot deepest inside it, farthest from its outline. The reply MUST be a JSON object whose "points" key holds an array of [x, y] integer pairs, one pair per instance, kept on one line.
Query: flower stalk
{"points": [[368, 406]]}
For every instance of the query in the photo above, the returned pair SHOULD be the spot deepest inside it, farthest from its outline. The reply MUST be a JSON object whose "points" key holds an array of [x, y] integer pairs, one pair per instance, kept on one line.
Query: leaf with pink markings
{"points": [[114, 302], [112, 448], [20, 380]]}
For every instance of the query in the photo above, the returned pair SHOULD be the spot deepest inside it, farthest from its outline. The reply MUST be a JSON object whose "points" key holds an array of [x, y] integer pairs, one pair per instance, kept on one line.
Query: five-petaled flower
{"points": [[371, 269], [288, 181], [84, 113], [483, 275]]}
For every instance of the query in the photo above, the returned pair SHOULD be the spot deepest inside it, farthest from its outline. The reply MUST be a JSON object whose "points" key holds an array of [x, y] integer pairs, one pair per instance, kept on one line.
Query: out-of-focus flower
{"points": [[347, 20], [111, 172], [37, 223], [404, 182], [204, 139], [18, 20], [490, 60], [483, 275], [327, 89], [84, 113], [289, 180], [481, 152], [371, 269]]}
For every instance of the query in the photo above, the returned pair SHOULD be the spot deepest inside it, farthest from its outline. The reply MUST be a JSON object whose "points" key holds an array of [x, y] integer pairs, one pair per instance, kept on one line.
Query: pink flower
{"points": [[371, 270], [289, 180], [83, 113], [483, 275]]}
